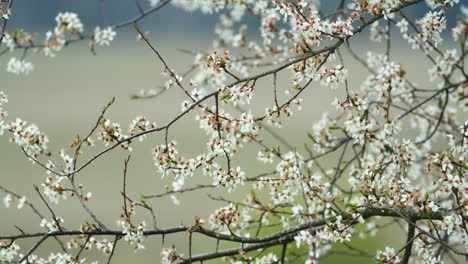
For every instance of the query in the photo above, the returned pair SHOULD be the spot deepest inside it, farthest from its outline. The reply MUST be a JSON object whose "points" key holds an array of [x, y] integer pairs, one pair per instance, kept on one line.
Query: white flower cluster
{"points": [[113, 133], [8, 251], [68, 22], [205, 6], [104, 36], [57, 258], [28, 137], [357, 127], [9, 42], [265, 157], [438, 3], [387, 256], [104, 245], [307, 238], [87, 243], [237, 95], [323, 133], [452, 223], [226, 136], [389, 80], [444, 65], [274, 115], [289, 184], [225, 218], [339, 28], [167, 161], [5, 14], [332, 77], [270, 258], [333, 232], [377, 32], [426, 253], [429, 33], [18, 67], [140, 124], [460, 29], [55, 40], [52, 225], [133, 234], [53, 190], [374, 7], [432, 25], [310, 30], [351, 102], [216, 62], [289, 167], [67, 161], [229, 180], [9, 198], [170, 255], [68, 28]]}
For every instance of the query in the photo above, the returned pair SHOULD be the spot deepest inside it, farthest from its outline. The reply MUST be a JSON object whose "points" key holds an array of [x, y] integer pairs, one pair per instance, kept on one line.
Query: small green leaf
{"points": [[111, 101], [465, 165], [312, 137], [143, 201], [225, 96]]}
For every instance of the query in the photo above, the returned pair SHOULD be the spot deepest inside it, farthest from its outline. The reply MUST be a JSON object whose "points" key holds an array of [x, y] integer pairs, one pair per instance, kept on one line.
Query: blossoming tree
{"points": [[302, 207]]}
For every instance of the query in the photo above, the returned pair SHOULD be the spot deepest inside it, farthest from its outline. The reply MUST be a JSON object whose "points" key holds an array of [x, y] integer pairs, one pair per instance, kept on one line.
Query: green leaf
{"points": [[111, 101], [225, 96], [143, 201], [311, 137], [465, 165]]}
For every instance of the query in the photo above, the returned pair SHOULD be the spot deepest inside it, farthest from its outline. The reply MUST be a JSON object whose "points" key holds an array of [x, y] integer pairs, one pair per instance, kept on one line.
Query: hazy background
{"points": [[64, 96]]}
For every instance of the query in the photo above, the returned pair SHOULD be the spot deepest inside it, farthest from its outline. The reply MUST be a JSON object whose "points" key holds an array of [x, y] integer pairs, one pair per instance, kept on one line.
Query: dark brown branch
{"points": [[190, 189], [141, 16], [366, 213], [409, 244], [87, 209]]}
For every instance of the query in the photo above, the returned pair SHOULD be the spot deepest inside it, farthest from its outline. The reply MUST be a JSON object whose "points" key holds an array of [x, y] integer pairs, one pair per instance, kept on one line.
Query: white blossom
{"points": [[7, 200], [18, 67], [8, 251], [68, 22], [104, 36]]}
